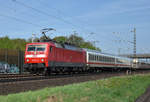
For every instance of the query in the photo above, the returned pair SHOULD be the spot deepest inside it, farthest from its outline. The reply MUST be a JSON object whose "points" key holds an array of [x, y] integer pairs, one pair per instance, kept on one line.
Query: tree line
{"points": [[17, 43]]}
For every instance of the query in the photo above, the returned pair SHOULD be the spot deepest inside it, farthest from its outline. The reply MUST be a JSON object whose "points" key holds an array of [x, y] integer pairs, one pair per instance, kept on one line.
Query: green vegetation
{"points": [[7, 43], [76, 40], [16, 44], [116, 89]]}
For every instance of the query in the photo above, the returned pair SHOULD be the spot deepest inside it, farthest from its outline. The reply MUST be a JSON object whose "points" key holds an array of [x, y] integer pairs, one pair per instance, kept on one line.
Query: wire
{"points": [[53, 16], [64, 14], [123, 40], [20, 20], [42, 12]]}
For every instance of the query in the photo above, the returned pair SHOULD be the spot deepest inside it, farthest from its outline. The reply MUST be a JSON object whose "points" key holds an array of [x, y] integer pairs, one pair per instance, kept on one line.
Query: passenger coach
{"points": [[97, 59]]}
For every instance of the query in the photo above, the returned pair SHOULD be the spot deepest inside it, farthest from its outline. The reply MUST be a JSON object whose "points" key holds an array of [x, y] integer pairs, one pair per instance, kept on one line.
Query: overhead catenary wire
{"points": [[43, 12], [67, 15], [53, 16], [122, 39], [20, 20], [50, 15]]}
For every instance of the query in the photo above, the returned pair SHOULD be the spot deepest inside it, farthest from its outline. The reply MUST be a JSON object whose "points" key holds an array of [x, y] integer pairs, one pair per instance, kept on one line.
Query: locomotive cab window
{"points": [[31, 48], [36, 48]]}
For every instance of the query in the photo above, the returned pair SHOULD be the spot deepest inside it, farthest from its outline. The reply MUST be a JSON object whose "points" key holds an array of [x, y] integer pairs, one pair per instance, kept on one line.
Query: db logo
{"points": [[34, 60], [34, 56]]}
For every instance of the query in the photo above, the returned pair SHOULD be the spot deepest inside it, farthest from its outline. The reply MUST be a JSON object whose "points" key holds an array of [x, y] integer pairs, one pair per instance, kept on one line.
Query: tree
{"points": [[6, 42], [74, 39], [61, 39]]}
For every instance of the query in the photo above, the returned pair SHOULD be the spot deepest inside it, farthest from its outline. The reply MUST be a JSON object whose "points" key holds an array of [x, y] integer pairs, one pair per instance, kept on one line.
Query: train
{"points": [[53, 57]]}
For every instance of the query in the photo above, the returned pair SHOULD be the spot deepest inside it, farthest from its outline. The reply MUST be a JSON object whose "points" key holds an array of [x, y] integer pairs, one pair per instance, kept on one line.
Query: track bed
{"points": [[59, 80]]}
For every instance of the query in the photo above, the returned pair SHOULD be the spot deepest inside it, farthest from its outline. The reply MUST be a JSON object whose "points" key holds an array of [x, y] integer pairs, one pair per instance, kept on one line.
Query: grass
{"points": [[116, 89]]}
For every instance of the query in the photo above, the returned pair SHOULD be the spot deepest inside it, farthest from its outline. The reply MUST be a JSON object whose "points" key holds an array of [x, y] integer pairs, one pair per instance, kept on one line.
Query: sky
{"points": [[106, 23]]}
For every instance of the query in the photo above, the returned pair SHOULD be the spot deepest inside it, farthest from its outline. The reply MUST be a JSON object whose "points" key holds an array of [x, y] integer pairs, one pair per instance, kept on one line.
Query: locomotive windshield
{"points": [[36, 48]]}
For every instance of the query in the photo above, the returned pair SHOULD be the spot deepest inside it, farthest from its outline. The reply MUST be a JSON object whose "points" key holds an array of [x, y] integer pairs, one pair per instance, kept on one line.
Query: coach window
{"points": [[99, 58], [106, 59], [103, 58], [93, 57], [109, 59], [51, 48], [89, 57], [96, 58], [113, 60]]}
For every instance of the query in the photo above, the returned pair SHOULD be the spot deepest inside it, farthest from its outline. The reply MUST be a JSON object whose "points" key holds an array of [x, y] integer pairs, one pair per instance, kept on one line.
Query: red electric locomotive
{"points": [[47, 57]]}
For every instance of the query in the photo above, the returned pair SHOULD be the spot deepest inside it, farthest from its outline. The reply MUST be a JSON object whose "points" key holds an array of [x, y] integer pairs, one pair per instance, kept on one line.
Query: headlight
{"points": [[27, 60], [42, 60]]}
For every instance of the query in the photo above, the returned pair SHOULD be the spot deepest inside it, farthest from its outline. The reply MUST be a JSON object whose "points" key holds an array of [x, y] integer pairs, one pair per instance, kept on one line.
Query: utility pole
{"points": [[134, 42], [33, 36]]}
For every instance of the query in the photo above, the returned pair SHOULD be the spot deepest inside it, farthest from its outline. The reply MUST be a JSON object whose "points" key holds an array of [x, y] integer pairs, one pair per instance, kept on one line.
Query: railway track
{"points": [[15, 75], [5, 78], [18, 78], [38, 82]]}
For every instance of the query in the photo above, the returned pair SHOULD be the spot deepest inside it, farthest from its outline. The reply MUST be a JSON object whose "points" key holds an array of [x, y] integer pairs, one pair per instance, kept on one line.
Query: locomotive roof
{"points": [[68, 46], [60, 45]]}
